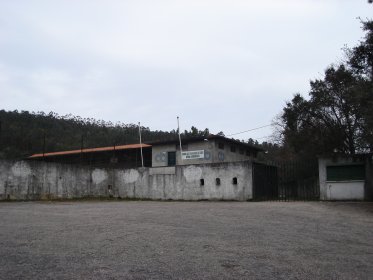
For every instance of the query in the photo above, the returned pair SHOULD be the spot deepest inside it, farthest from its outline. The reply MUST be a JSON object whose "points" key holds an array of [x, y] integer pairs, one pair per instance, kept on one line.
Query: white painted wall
{"points": [[352, 190]]}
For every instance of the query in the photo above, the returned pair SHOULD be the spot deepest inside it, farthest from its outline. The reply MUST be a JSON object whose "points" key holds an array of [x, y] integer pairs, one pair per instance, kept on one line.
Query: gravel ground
{"points": [[186, 240]]}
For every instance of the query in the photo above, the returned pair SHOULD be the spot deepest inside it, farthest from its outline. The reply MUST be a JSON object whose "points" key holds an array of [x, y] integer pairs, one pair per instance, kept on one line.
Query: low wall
{"points": [[340, 190], [33, 180], [348, 190]]}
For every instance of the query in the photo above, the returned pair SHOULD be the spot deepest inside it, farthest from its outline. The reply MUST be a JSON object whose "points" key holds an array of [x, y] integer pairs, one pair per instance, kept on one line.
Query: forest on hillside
{"points": [[23, 133]]}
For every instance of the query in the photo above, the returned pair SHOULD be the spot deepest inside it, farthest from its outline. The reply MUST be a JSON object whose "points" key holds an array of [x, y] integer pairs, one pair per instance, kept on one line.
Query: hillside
{"points": [[22, 133]]}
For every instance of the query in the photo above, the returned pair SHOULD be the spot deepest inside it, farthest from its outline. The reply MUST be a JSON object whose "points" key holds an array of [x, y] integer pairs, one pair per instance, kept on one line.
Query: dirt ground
{"points": [[186, 240]]}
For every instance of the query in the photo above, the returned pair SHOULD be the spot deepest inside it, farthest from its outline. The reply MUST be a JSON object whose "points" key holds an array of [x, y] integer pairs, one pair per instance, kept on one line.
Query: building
{"points": [[195, 150], [346, 177], [201, 150]]}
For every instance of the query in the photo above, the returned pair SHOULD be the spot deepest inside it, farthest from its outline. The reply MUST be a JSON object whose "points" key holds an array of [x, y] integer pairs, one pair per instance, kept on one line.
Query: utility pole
{"points": [[142, 159], [181, 150], [0, 131], [44, 136]]}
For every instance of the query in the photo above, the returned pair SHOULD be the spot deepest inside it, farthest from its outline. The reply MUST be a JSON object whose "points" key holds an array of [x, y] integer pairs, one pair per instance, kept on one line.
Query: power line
{"points": [[249, 130], [262, 137]]}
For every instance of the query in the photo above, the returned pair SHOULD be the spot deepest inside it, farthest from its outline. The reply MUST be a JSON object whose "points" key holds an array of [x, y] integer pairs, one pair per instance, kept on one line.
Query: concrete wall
{"points": [[212, 153], [27, 180], [345, 190], [339, 190]]}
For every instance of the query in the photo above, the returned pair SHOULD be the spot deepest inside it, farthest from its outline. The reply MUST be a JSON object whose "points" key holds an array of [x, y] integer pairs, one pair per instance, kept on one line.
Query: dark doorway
{"points": [[171, 158]]}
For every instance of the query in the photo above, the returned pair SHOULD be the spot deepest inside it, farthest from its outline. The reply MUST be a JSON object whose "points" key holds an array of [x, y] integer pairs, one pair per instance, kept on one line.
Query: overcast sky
{"points": [[226, 65]]}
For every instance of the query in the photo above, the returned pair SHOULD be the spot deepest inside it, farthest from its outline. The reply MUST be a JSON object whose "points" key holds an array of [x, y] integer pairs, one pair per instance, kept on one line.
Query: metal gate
{"points": [[286, 181]]}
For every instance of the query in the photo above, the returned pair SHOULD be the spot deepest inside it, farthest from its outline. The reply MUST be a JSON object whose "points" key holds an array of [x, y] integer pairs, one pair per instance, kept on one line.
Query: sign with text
{"points": [[193, 154]]}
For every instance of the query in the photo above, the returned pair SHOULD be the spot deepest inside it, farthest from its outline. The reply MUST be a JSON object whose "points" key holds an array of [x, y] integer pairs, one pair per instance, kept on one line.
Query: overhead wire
{"points": [[249, 130]]}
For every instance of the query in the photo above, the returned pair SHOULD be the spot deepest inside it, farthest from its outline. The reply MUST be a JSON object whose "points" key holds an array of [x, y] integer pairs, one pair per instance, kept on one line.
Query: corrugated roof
{"points": [[91, 150]]}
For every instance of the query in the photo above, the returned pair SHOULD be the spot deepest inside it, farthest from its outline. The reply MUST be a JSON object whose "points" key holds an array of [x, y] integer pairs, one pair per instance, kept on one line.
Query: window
{"points": [[221, 146], [248, 153], [202, 182], [345, 172], [242, 151], [233, 149], [234, 181], [217, 181], [171, 158]]}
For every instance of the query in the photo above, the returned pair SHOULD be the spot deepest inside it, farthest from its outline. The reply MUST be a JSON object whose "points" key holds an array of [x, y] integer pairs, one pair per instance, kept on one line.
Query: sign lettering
{"points": [[193, 154]]}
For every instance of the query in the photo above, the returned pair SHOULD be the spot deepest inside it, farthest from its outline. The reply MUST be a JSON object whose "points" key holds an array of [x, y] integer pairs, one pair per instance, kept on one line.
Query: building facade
{"points": [[201, 150], [346, 177]]}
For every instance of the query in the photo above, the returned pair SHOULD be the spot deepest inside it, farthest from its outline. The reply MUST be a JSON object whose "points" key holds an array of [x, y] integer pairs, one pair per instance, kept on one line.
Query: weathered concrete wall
{"points": [[28, 180], [339, 190]]}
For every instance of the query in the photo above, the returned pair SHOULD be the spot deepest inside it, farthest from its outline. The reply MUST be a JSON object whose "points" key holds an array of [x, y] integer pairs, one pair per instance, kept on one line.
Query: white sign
{"points": [[193, 154]]}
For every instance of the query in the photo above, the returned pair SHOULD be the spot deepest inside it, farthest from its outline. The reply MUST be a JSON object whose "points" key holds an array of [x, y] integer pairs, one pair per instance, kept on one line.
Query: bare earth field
{"points": [[186, 240]]}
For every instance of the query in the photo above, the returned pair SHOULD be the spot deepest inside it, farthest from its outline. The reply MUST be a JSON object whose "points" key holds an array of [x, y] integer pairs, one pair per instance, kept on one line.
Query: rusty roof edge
{"points": [[90, 150]]}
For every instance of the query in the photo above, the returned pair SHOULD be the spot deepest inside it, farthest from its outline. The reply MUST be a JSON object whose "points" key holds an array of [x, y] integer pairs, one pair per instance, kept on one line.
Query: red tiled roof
{"points": [[91, 150]]}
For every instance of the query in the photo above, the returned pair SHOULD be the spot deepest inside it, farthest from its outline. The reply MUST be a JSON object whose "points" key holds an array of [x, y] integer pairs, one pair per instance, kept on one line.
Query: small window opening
{"points": [[248, 153], [217, 180], [242, 151], [233, 149], [234, 181], [221, 146], [202, 182], [109, 187]]}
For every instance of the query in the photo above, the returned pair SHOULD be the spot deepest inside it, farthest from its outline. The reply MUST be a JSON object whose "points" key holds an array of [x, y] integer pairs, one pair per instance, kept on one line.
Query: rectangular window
{"points": [[171, 158], [248, 153], [233, 149], [242, 151], [221, 146], [345, 173]]}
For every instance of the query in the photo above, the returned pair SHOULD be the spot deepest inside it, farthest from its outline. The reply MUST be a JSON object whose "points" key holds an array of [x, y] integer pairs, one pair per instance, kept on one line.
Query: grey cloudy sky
{"points": [[226, 65]]}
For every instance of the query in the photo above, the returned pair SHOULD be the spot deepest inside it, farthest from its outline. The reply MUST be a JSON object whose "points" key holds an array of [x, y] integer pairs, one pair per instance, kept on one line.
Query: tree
{"points": [[338, 116], [330, 120], [360, 62]]}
